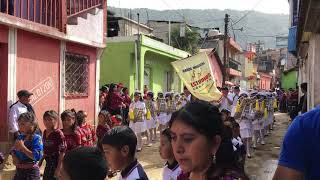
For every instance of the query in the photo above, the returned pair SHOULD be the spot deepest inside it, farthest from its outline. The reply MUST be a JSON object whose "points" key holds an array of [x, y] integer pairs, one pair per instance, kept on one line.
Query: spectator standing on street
{"points": [[104, 125], [54, 146], [236, 95], [299, 158], [28, 149], [88, 135], [171, 169], [114, 101], [21, 106], [127, 101], [69, 124], [226, 100], [84, 163], [303, 99]]}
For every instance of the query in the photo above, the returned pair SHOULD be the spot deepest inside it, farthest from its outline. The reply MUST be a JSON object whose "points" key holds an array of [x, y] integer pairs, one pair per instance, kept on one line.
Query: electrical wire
{"points": [[245, 15]]}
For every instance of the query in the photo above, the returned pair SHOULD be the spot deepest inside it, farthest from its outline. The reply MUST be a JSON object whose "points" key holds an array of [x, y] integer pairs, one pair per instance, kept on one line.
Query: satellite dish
{"points": [[213, 33]]}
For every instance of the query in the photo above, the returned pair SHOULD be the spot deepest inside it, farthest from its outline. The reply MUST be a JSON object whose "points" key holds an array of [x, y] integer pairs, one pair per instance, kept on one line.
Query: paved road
{"points": [[260, 167]]}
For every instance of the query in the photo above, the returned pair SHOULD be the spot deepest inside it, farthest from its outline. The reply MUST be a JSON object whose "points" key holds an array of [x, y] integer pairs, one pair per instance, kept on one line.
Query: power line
{"points": [[245, 15]]}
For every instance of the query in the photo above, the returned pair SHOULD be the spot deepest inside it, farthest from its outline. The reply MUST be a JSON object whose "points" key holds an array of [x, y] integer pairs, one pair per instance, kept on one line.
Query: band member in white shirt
{"points": [[236, 91], [226, 100]]}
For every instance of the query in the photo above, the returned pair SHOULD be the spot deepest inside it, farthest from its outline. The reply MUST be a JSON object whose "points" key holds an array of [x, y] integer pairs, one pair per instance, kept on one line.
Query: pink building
{"points": [[52, 50]]}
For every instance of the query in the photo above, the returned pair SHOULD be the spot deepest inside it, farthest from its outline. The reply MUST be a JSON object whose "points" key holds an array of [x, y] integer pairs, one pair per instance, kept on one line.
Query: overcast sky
{"points": [[266, 6]]}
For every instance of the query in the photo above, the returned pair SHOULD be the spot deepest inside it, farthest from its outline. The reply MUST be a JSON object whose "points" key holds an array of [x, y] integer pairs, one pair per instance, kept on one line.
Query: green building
{"points": [[289, 79], [138, 61]]}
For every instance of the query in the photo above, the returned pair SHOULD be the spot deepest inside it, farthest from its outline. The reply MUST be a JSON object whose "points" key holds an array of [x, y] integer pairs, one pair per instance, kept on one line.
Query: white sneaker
{"points": [[263, 143], [149, 145], [254, 146]]}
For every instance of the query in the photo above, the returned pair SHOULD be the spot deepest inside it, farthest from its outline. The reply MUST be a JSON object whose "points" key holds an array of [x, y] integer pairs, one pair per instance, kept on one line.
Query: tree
{"points": [[188, 43]]}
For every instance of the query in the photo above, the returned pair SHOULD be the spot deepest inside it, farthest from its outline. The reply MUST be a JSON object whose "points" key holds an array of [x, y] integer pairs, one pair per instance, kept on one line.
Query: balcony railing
{"points": [[53, 13], [234, 65]]}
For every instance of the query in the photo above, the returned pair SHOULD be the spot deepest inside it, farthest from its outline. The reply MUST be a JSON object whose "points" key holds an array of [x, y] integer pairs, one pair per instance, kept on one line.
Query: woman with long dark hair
{"points": [[198, 141]]}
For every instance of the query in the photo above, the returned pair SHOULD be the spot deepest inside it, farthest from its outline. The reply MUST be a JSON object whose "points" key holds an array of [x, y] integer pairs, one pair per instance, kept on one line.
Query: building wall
{"points": [[118, 64], [85, 103], [265, 81], [312, 71], [38, 60], [289, 80], [161, 29], [3, 34], [90, 28], [128, 28], [3, 91], [159, 66]]}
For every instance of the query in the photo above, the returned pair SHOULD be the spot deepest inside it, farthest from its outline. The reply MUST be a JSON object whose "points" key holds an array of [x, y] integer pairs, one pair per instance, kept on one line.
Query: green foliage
{"points": [[188, 43]]}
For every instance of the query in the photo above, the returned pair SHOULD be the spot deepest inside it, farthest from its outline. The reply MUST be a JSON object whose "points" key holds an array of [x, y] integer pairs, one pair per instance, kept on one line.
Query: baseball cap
{"points": [[24, 93]]}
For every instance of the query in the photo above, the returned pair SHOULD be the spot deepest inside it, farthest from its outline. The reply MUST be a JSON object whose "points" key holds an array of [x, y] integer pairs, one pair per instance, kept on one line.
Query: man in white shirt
{"points": [[187, 93], [236, 91], [226, 100], [16, 109]]}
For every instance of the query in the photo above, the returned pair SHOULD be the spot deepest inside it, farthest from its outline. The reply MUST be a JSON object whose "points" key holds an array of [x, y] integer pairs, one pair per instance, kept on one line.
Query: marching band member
{"points": [[244, 116], [137, 114], [161, 111], [151, 116]]}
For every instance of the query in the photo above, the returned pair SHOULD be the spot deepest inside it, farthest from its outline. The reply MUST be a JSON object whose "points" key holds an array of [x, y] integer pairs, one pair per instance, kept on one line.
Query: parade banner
{"points": [[196, 74]]}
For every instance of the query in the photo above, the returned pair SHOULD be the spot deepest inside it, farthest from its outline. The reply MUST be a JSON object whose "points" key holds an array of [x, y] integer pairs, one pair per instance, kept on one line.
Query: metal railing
{"points": [[53, 13], [76, 7], [234, 64]]}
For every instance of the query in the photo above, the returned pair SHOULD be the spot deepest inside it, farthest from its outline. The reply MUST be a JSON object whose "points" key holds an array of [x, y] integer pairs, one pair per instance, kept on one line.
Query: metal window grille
{"points": [[76, 74]]}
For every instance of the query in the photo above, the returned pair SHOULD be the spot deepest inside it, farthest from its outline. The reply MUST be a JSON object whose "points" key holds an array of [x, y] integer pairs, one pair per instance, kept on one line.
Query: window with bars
{"points": [[76, 74]]}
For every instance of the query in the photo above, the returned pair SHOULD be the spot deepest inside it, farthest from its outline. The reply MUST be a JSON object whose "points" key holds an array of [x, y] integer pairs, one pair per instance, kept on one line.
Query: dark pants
{"points": [[27, 174], [51, 166]]}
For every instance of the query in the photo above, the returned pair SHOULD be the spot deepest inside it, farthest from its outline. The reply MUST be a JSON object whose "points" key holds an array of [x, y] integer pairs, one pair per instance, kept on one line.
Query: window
{"points": [[76, 75]]}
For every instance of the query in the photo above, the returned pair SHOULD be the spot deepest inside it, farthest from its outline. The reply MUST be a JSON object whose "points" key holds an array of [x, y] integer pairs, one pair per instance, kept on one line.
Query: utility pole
{"points": [[169, 41], [225, 50]]}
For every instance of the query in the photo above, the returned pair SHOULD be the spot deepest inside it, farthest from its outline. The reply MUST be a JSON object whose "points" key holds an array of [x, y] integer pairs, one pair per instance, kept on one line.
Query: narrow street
{"points": [[260, 167]]}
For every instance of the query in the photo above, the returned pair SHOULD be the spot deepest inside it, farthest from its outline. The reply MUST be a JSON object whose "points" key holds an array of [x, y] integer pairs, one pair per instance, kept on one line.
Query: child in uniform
{"points": [[162, 111], [170, 106], [28, 149], [238, 145], [258, 123], [88, 136], [152, 122], [171, 169], [84, 163], [119, 147], [138, 122], [104, 125], [54, 146], [245, 118], [69, 124]]}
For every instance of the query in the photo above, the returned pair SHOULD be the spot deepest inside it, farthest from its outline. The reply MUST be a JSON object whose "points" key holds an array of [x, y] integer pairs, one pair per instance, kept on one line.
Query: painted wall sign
{"points": [[41, 90]]}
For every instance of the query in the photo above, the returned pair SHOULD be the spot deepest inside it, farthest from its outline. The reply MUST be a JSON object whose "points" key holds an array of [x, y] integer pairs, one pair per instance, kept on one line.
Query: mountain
{"points": [[256, 25]]}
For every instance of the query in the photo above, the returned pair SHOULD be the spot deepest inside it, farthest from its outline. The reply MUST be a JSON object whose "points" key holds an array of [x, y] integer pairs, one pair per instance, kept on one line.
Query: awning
{"points": [[229, 83]]}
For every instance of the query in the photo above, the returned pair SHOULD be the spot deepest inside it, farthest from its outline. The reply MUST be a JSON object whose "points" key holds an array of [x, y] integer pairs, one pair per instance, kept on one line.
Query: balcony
{"points": [[52, 13], [234, 68], [234, 64]]}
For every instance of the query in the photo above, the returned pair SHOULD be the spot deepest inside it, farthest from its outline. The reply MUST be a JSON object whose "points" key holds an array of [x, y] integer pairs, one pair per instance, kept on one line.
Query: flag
{"points": [[196, 74]]}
